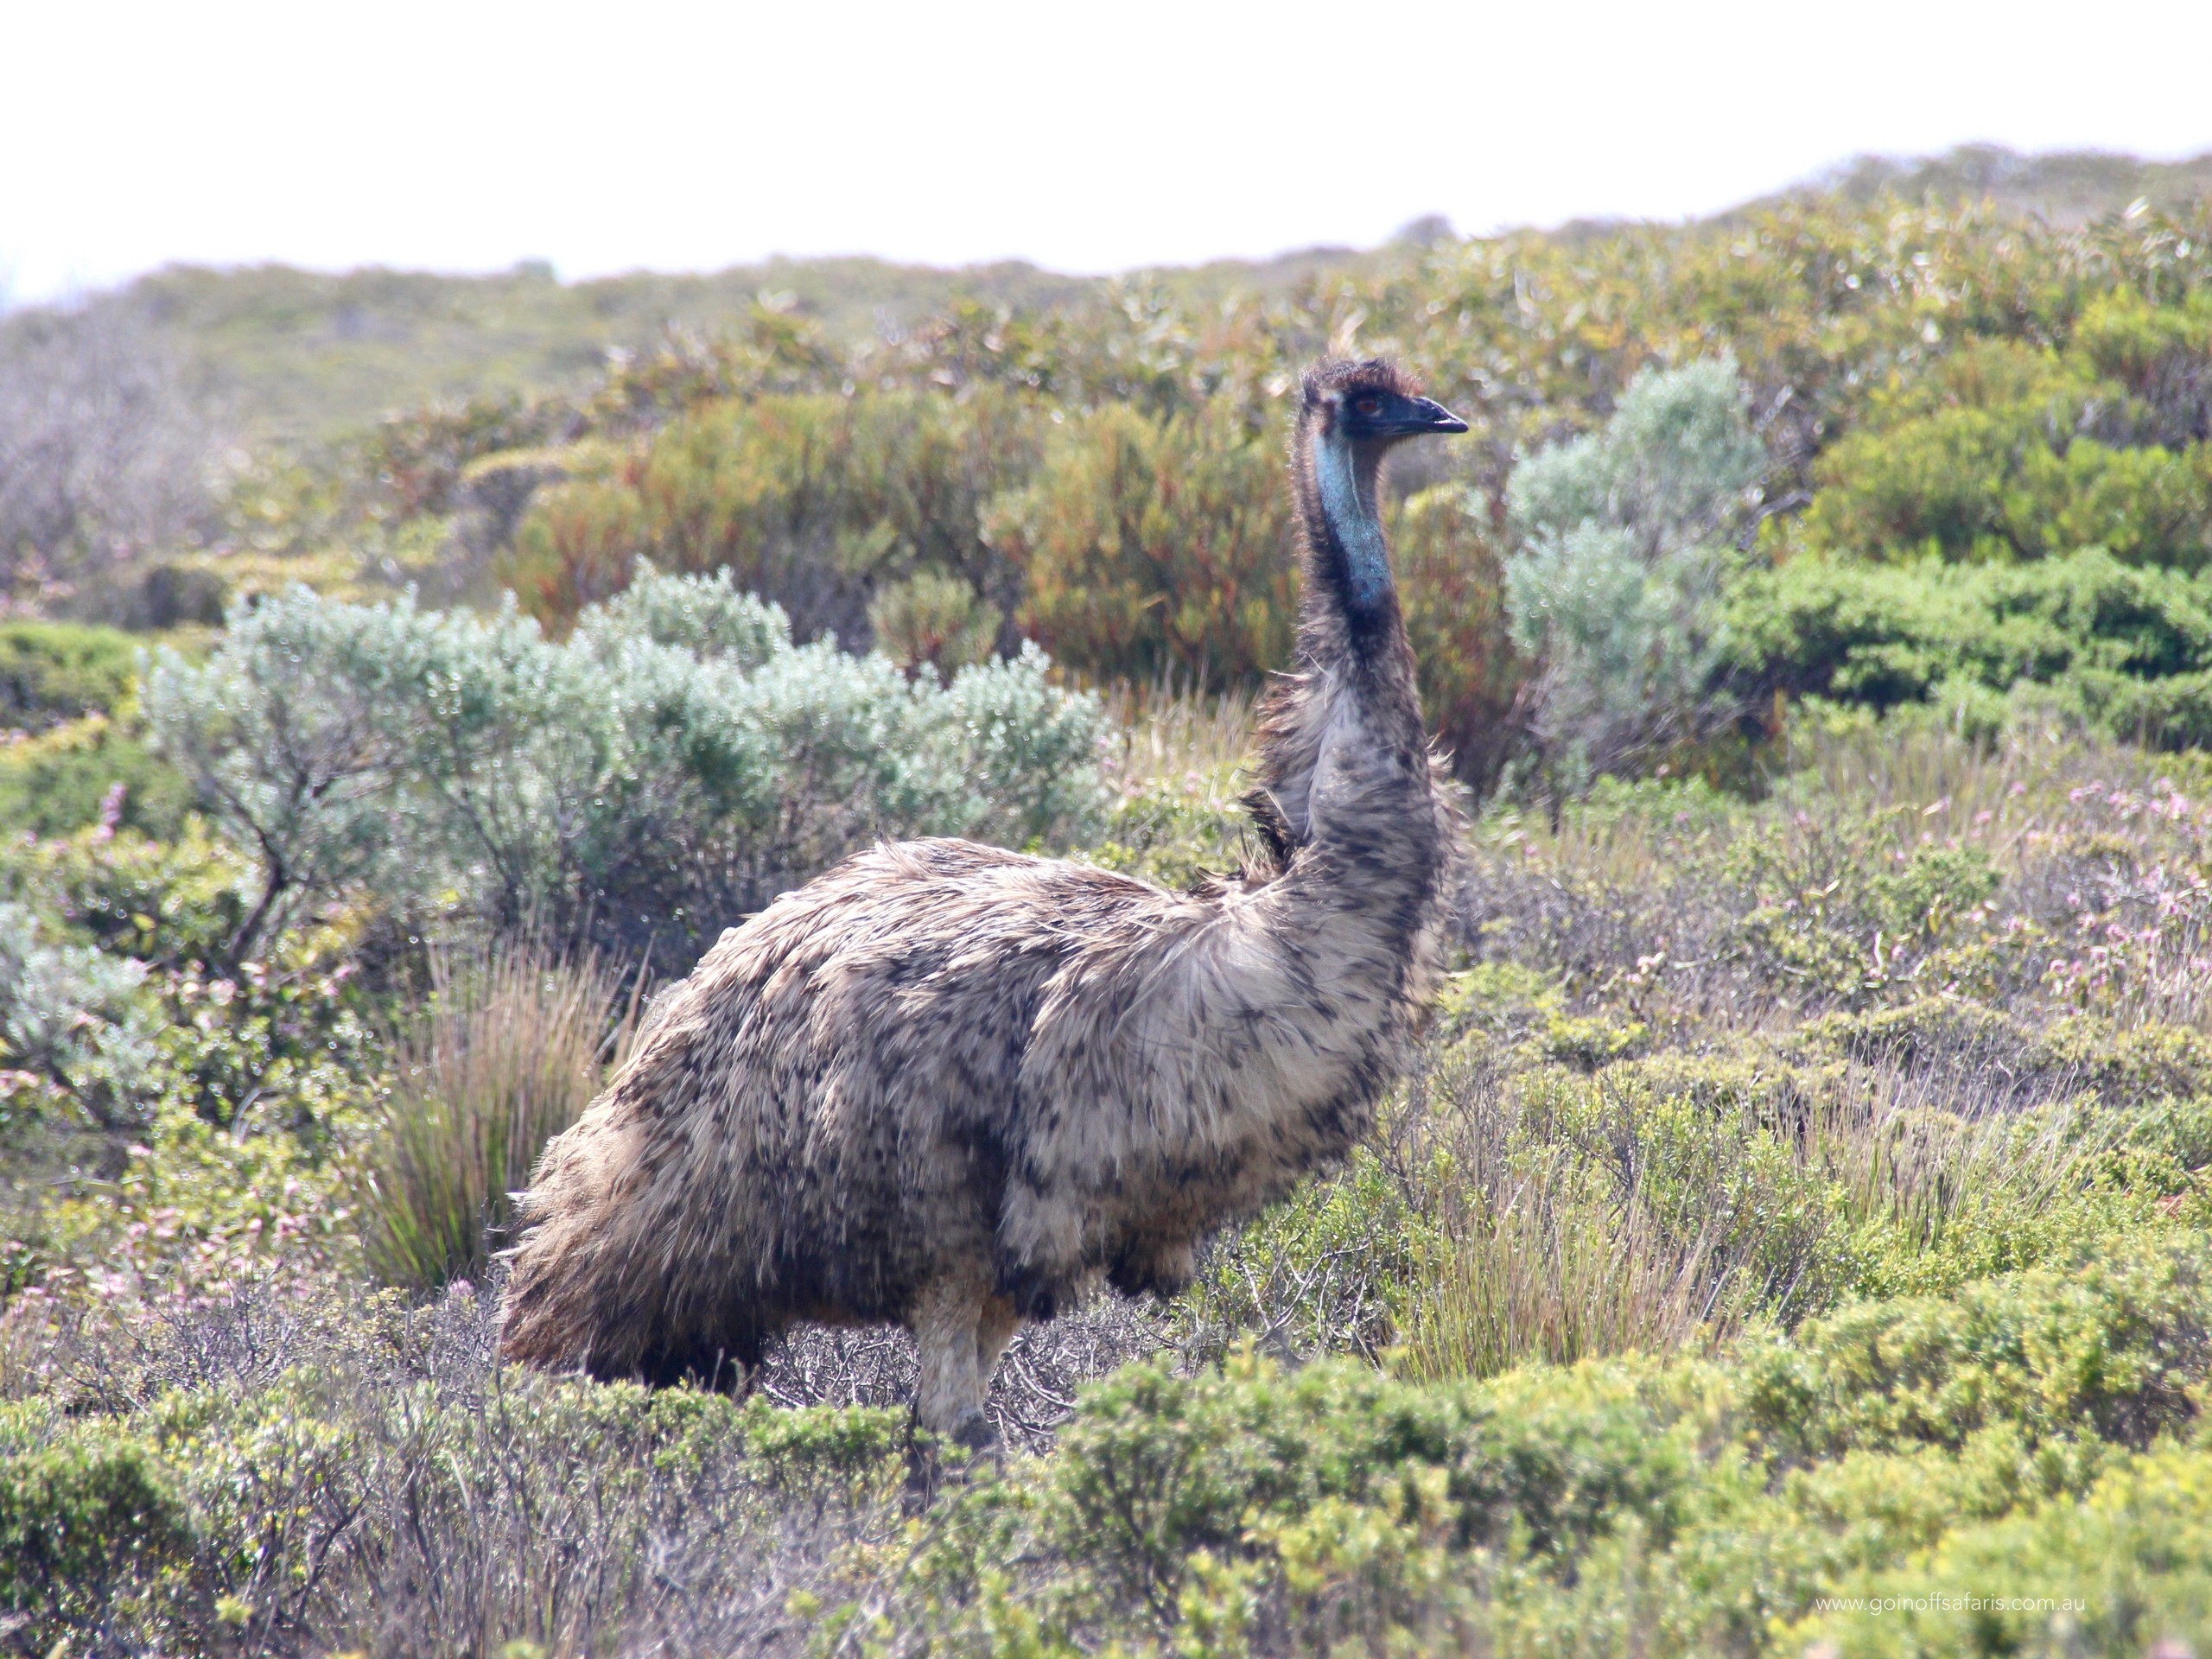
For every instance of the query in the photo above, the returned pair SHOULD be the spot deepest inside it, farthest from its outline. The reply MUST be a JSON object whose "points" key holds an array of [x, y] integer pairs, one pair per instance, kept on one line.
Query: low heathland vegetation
{"points": [[1795, 1234], [1796, 1199]]}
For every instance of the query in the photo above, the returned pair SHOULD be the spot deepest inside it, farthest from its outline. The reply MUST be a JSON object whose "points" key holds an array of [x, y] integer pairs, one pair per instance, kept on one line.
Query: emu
{"points": [[947, 1086]]}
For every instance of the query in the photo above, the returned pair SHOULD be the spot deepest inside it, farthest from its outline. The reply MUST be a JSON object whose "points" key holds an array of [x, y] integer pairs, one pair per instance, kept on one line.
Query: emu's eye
{"points": [[1371, 405]]}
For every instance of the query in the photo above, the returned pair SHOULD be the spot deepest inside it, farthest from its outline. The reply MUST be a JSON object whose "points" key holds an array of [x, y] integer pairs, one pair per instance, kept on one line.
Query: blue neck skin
{"points": [[1348, 500]]}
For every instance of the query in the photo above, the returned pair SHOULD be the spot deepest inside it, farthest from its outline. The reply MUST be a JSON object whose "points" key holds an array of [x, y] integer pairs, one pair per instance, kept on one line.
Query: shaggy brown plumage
{"points": [[946, 1085]]}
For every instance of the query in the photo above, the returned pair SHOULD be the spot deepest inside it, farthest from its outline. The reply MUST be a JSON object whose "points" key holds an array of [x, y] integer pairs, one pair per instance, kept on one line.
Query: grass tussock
{"points": [[512, 1047]]}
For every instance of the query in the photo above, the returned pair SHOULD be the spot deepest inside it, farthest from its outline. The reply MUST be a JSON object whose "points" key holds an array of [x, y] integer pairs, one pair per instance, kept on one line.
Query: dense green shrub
{"points": [[165, 903], [624, 786], [1692, 1506], [55, 671], [2124, 650], [2115, 1349], [2125, 1569], [89, 1529], [392, 1495]]}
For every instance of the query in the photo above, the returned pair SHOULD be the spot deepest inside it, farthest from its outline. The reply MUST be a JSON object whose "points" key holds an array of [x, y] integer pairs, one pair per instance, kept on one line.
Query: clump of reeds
{"points": [[511, 1047]]}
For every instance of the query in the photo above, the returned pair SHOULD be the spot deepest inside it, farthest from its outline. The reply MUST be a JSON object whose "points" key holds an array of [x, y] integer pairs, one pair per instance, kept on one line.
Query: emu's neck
{"points": [[1354, 684], [1343, 503]]}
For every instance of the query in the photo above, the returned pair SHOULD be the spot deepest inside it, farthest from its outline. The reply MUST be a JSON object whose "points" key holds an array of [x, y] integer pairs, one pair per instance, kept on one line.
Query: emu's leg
{"points": [[949, 1401]]}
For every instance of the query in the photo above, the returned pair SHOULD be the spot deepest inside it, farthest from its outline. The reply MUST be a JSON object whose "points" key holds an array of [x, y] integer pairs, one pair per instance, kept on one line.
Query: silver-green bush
{"points": [[1615, 588], [68, 1014], [671, 766]]}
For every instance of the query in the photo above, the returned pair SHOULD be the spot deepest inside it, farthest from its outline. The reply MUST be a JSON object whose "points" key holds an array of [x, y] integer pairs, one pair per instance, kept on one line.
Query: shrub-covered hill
{"points": [[1663, 417], [308, 357], [305, 355], [2068, 188]]}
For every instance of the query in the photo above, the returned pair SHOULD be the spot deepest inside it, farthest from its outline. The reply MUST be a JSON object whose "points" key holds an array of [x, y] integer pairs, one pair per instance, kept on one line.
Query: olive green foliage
{"points": [[813, 502], [934, 621], [2013, 449], [317, 356], [2026, 1442], [1451, 586], [244, 1518], [2121, 1571], [1905, 378], [94, 771], [1158, 550]]}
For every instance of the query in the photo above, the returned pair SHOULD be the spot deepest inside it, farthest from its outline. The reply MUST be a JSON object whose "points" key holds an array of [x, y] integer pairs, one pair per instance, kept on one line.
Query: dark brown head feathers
{"points": [[1343, 376]]}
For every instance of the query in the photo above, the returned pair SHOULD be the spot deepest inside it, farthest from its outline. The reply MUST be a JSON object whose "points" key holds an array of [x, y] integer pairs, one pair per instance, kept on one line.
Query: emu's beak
{"points": [[1409, 416], [1434, 417]]}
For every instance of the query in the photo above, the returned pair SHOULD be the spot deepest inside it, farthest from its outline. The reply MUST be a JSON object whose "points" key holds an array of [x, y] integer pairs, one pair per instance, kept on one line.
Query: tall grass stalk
{"points": [[511, 1050], [1169, 734], [1552, 1278], [1560, 1228]]}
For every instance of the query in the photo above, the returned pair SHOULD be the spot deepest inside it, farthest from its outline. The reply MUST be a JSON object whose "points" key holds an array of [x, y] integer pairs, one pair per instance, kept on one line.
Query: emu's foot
{"points": [[975, 1431], [953, 1458], [1165, 1274]]}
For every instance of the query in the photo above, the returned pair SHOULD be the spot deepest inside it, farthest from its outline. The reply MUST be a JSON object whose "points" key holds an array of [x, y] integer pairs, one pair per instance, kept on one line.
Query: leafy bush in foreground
{"points": [[2128, 1569], [89, 1527], [669, 768], [1621, 1507], [1866, 1244], [282, 1474]]}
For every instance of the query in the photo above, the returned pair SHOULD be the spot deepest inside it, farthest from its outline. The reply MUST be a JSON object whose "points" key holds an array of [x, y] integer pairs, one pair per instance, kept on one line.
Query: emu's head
{"points": [[1350, 414], [1372, 402]]}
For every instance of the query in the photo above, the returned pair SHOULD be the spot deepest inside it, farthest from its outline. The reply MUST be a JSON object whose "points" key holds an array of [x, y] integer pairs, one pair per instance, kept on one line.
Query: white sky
{"points": [[465, 135]]}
